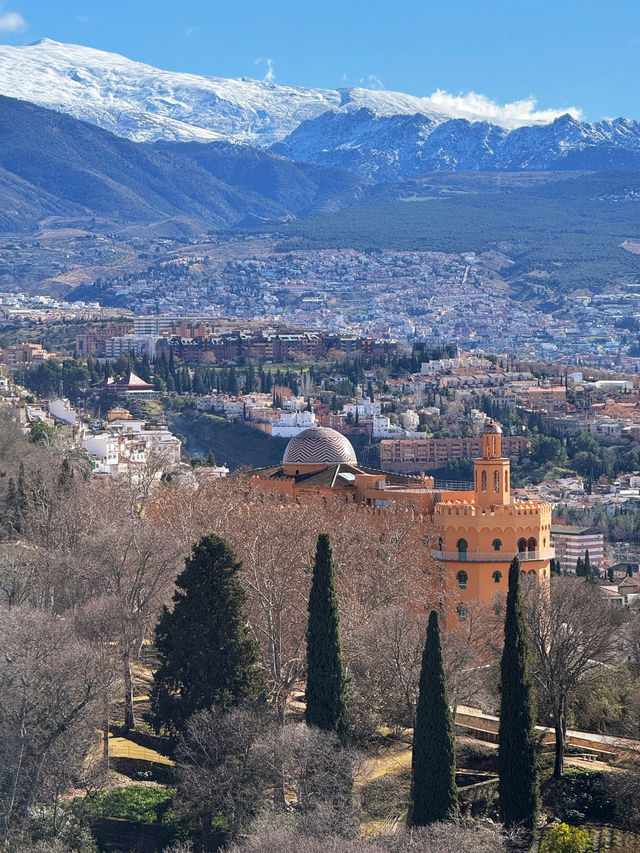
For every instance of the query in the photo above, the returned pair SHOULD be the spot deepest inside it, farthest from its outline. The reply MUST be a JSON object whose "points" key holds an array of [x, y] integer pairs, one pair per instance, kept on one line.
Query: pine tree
{"points": [[518, 782], [326, 681], [206, 655], [580, 567], [434, 795]]}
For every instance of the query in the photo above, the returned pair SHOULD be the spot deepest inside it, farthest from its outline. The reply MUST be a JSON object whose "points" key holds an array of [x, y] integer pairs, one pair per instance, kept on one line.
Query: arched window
{"points": [[523, 574], [522, 546], [532, 573], [462, 613], [462, 549], [462, 578], [497, 544], [484, 481], [496, 481], [544, 541], [497, 577], [440, 543], [532, 545]]}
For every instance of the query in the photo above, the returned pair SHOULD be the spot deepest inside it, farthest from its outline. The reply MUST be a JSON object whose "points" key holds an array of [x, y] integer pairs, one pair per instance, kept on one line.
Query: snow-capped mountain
{"points": [[391, 148], [146, 104], [379, 135]]}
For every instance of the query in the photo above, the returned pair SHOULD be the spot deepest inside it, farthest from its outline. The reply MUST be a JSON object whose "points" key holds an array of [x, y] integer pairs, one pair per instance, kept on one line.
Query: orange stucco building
{"points": [[483, 530], [478, 532]]}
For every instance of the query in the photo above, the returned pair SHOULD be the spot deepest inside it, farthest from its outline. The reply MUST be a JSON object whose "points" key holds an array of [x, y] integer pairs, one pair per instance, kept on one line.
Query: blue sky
{"points": [[564, 54]]}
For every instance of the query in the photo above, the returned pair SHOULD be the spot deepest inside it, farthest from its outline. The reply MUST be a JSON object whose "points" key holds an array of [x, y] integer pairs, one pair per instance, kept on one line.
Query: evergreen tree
{"points": [[326, 681], [232, 386], [518, 782], [65, 477], [434, 795], [211, 459], [580, 567], [588, 570], [206, 655]]}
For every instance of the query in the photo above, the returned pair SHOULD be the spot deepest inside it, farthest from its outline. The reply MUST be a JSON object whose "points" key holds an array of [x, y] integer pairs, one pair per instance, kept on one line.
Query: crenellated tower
{"points": [[483, 530]]}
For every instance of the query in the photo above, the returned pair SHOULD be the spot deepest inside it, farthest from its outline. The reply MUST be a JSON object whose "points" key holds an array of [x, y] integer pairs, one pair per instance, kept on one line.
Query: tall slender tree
{"points": [[206, 655], [326, 681], [434, 795], [518, 782]]}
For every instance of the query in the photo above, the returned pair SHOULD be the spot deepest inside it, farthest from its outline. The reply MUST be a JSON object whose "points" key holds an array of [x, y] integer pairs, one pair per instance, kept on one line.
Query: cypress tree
{"points": [[434, 795], [206, 655], [518, 777], [326, 681], [588, 571]]}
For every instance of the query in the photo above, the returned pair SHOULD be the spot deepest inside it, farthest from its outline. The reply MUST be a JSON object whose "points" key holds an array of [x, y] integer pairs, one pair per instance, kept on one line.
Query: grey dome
{"points": [[319, 445], [492, 426]]}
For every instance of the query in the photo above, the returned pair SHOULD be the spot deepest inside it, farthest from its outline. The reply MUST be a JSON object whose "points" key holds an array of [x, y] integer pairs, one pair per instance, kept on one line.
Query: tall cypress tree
{"points": [[206, 655], [326, 681], [434, 795], [518, 782]]}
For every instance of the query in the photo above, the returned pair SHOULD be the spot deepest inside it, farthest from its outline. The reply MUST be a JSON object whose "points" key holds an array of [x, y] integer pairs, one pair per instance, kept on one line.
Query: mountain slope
{"points": [[389, 148], [54, 165], [378, 135]]}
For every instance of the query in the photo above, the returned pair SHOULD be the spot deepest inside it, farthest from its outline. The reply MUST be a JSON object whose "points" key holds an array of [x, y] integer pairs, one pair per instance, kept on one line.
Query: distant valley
{"points": [[552, 208]]}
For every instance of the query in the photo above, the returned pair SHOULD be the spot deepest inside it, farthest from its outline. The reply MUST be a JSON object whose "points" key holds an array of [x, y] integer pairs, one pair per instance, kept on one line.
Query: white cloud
{"points": [[374, 82], [480, 108], [270, 74], [12, 22], [190, 31]]}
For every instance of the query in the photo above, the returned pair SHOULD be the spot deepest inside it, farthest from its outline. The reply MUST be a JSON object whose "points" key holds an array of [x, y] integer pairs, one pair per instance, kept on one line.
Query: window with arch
{"points": [[544, 541], [532, 573], [531, 545], [523, 574], [496, 481], [462, 578], [462, 549], [522, 546], [462, 613], [497, 544], [497, 577], [440, 543], [483, 479]]}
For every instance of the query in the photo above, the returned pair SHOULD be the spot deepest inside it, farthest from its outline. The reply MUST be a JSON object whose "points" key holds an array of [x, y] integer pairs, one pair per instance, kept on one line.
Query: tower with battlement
{"points": [[481, 532]]}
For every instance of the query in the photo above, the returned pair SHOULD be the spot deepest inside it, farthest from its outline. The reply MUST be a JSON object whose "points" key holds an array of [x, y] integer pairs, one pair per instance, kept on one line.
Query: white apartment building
{"points": [[152, 325], [571, 542], [138, 344], [293, 423]]}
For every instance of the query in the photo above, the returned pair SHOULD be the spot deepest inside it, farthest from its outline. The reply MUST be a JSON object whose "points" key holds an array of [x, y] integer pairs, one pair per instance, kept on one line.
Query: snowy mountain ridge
{"points": [[146, 104], [379, 135]]}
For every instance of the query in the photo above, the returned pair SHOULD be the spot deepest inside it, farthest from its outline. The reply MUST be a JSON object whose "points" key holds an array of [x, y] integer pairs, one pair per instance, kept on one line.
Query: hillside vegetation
{"points": [[565, 234]]}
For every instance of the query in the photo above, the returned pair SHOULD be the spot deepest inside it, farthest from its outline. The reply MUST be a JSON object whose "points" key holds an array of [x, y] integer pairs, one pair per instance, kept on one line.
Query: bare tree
{"points": [[572, 635], [49, 681], [133, 562], [224, 766]]}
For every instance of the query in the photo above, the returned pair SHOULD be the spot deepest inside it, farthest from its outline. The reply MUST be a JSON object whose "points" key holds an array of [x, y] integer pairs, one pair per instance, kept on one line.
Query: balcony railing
{"points": [[492, 556]]}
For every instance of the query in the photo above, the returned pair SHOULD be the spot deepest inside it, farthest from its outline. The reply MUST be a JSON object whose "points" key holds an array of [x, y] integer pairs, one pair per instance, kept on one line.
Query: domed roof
{"points": [[319, 445], [492, 426]]}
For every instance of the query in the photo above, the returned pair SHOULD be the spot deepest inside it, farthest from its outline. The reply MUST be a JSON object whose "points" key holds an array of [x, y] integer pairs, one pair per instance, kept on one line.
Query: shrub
{"points": [[476, 756], [143, 805], [585, 795], [565, 839]]}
